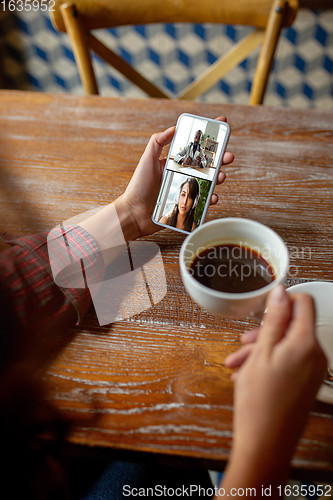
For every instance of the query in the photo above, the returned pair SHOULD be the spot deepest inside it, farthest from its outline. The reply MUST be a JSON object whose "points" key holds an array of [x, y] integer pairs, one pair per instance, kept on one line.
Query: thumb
{"points": [[277, 317], [157, 142]]}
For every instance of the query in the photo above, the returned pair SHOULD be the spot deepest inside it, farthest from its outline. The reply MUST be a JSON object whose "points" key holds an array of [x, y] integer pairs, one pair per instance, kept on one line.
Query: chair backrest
{"points": [[268, 17]]}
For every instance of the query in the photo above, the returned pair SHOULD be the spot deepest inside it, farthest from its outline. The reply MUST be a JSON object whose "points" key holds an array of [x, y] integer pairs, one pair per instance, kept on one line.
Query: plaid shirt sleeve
{"points": [[46, 274]]}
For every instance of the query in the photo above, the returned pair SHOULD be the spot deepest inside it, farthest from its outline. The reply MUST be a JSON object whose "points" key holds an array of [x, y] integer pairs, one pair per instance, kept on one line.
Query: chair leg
{"points": [[77, 36], [119, 64], [225, 63], [267, 52]]}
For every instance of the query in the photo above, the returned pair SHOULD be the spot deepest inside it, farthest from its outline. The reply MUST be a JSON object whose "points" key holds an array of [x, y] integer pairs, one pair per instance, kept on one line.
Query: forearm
{"points": [[112, 227], [255, 472], [37, 301], [262, 452]]}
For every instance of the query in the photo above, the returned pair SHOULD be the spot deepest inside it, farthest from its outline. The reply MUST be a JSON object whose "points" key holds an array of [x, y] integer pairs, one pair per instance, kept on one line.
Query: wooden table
{"points": [[156, 383]]}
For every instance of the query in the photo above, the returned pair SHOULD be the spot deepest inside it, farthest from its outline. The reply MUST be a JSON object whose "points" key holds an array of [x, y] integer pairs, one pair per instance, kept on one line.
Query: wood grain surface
{"points": [[156, 383]]}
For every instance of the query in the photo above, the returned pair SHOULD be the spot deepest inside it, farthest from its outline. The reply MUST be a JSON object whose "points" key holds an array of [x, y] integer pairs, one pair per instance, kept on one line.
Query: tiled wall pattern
{"points": [[34, 56]]}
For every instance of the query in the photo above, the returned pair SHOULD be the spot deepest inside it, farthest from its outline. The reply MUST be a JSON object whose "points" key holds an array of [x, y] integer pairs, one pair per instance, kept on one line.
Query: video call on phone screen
{"points": [[190, 170]]}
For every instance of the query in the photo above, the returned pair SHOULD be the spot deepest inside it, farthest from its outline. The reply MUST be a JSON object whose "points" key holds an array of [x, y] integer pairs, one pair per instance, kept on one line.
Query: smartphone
{"points": [[190, 173]]}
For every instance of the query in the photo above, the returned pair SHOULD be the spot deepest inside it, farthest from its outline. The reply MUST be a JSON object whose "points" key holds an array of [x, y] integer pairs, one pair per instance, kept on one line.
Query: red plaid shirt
{"points": [[26, 274]]}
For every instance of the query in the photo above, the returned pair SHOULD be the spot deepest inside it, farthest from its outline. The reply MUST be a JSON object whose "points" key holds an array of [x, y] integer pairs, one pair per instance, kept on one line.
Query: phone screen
{"points": [[190, 173]]}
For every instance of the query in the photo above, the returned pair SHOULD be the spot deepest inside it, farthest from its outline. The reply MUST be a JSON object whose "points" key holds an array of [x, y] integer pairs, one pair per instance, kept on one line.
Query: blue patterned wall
{"points": [[34, 56]]}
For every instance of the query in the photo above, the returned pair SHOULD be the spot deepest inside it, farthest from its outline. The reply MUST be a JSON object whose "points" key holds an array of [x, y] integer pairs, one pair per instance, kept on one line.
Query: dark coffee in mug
{"points": [[232, 269]]}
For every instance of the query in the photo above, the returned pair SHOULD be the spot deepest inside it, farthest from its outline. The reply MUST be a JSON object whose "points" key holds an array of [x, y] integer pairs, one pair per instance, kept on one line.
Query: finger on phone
{"points": [[222, 118], [157, 142], [220, 177], [227, 158], [214, 199]]}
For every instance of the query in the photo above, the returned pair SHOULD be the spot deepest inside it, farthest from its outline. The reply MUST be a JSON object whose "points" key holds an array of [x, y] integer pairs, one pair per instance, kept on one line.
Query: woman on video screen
{"points": [[182, 215]]}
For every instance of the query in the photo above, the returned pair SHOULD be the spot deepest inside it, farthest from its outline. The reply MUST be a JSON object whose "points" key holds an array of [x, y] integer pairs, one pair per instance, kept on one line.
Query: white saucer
{"points": [[322, 293]]}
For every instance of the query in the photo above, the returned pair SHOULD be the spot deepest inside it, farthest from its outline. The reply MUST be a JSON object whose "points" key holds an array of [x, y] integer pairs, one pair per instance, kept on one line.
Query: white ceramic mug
{"points": [[233, 231]]}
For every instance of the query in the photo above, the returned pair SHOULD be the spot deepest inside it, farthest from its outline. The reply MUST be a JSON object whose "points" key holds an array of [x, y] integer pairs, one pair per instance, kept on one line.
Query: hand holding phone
{"points": [[190, 173]]}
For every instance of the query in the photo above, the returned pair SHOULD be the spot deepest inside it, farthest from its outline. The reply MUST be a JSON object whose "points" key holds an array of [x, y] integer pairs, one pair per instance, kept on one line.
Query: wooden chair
{"points": [[268, 17]]}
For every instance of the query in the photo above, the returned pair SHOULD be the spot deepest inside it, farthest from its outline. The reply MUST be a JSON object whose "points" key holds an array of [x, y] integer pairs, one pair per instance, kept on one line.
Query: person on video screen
{"points": [[182, 215], [192, 154]]}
